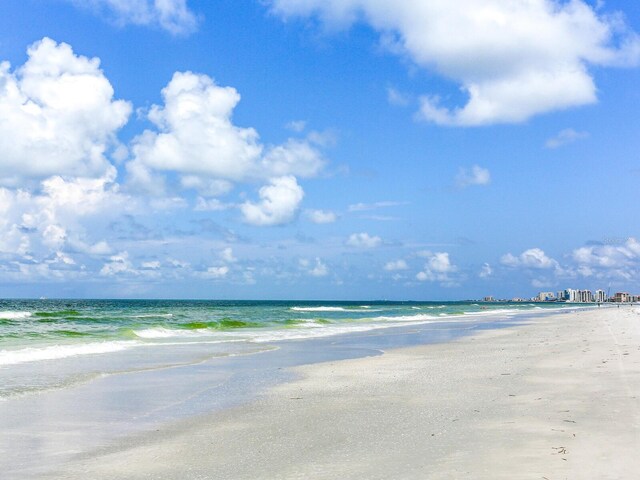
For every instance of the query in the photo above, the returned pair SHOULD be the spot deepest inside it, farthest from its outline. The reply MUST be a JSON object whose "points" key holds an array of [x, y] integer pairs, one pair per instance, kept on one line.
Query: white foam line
{"points": [[10, 315], [319, 309], [57, 352]]}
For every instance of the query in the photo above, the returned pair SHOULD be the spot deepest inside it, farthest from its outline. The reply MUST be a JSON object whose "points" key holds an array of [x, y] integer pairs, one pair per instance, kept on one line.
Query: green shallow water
{"points": [[39, 330]]}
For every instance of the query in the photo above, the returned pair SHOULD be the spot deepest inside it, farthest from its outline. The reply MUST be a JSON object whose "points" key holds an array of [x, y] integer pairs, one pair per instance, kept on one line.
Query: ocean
{"points": [[47, 344]]}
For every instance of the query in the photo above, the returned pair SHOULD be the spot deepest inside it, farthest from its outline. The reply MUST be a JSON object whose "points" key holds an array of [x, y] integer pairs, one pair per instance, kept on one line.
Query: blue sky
{"points": [[347, 149]]}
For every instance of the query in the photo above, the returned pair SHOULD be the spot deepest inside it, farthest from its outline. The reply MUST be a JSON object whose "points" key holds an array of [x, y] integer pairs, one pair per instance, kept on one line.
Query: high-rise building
{"points": [[584, 296], [545, 297], [622, 297], [601, 296]]}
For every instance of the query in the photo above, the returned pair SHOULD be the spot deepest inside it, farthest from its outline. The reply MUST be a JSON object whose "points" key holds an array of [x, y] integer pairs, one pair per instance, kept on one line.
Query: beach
{"points": [[554, 398]]}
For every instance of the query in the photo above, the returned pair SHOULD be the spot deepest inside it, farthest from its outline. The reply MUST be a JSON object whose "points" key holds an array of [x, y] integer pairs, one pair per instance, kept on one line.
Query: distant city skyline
{"points": [[299, 149], [572, 295]]}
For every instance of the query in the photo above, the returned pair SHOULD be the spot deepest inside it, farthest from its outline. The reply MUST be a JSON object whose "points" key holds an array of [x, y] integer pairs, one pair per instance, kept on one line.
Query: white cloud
{"points": [[295, 157], [362, 207], [33, 225], [81, 196], [320, 269], [438, 268], [210, 205], [168, 203], [179, 264], [196, 134], [596, 262], [118, 264], [152, 265], [396, 265], [171, 15], [321, 216], [216, 272], [206, 186], [565, 137], [422, 276], [57, 115], [532, 258], [363, 240], [608, 256], [474, 176], [54, 236], [297, 126], [62, 258], [227, 255], [197, 139], [513, 59], [99, 248], [279, 203], [486, 271]]}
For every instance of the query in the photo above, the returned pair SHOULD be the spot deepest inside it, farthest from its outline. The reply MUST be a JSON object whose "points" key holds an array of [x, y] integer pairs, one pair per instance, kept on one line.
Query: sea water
{"points": [[47, 344]]}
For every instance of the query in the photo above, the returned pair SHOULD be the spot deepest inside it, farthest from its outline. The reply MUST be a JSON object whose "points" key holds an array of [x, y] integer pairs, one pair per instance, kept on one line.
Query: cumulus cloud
{"points": [[279, 203], [437, 268], [32, 225], [531, 258], [565, 137], [472, 176], [57, 115], [216, 272], [513, 60], [319, 269], [196, 135], [227, 255], [364, 240], [321, 216], [118, 264], [210, 205], [396, 265], [486, 271], [297, 157], [173, 16], [597, 262], [608, 256], [196, 138]]}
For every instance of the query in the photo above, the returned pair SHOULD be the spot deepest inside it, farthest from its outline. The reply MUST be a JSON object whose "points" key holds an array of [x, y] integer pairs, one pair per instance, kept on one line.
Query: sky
{"points": [[318, 149]]}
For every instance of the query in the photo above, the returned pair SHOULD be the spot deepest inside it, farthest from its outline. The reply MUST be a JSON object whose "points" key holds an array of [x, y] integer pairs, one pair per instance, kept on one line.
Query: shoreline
{"points": [[59, 425], [555, 398]]}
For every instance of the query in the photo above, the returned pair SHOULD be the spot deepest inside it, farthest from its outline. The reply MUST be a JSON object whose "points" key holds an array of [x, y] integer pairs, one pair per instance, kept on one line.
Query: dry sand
{"points": [[558, 398]]}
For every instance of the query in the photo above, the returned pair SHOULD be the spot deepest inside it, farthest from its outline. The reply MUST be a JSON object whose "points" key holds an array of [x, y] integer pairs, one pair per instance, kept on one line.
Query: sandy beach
{"points": [[556, 398]]}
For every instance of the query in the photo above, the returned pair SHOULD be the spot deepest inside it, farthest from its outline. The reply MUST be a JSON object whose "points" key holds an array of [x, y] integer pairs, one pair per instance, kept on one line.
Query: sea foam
{"points": [[319, 309], [56, 352], [161, 332], [364, 308], [10, 315]]}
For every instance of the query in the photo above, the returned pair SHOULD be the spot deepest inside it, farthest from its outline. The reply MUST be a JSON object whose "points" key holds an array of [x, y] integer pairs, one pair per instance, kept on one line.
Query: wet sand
{"points": [[558, 398]]}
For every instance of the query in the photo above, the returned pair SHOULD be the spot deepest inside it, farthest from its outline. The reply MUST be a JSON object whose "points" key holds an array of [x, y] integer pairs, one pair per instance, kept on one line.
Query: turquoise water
{"points": [[48, 330]]}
